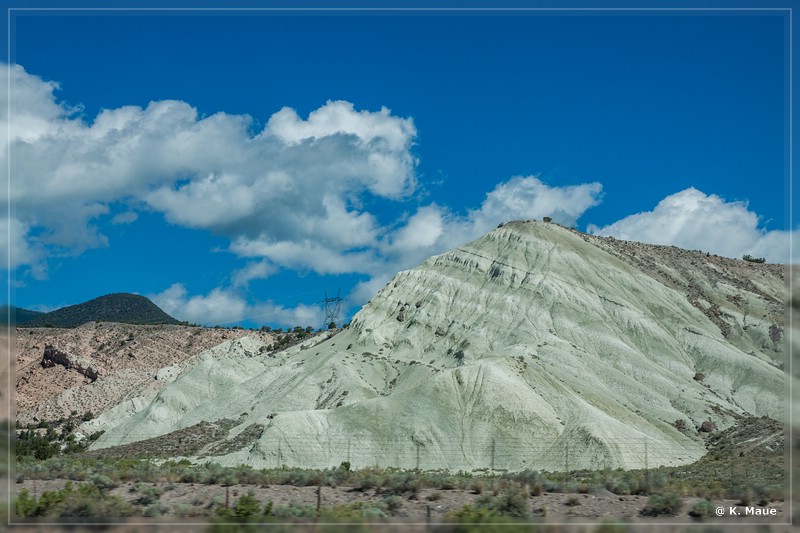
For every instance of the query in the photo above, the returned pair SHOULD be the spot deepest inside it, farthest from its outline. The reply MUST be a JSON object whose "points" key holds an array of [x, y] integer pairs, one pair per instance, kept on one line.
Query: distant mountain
{"points": [[120, 307], [18, 315]]}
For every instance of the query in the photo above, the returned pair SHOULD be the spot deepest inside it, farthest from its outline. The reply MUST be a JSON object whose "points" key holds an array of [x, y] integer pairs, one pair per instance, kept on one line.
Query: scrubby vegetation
{"points": [[663, 504], [44, 439], [84, 501], [96, 484]]}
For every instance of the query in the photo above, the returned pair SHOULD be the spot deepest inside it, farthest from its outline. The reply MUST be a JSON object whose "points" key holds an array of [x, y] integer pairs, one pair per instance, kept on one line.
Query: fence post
{"points": [[417, 443], [646, 467], [493, 449], [349, 440]]}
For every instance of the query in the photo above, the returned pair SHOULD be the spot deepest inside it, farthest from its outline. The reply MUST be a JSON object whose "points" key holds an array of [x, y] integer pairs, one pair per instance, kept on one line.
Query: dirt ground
{"points": [[194, 500]]}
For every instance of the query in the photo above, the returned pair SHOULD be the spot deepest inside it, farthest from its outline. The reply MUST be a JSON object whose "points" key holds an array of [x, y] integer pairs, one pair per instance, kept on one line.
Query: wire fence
{"points": [[489, 453]]}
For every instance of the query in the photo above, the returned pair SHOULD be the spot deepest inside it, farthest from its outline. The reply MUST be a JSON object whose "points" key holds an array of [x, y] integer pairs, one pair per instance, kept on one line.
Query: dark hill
{"points": [[19, 315], [120, 307]]}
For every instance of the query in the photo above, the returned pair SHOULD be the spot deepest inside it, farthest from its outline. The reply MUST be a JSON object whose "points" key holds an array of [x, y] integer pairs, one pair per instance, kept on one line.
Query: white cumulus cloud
{"points": [[294, 182], [694, 220], [226, 306]]}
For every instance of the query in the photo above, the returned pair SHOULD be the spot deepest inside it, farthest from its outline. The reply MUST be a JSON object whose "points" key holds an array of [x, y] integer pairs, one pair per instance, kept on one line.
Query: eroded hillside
{"points": [[127, 357], [532, 347]]}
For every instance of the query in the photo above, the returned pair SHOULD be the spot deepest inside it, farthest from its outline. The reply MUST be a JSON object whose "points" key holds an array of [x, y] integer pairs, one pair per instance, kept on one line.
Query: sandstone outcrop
{"points": [[53, 357]]}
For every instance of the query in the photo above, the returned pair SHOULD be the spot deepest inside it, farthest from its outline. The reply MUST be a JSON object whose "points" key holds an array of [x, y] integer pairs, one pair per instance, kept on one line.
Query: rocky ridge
{"points": [[130, 359]]}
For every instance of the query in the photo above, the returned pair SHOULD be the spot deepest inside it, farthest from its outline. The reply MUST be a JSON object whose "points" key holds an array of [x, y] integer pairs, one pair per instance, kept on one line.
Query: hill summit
{"points": [[534, 346], [118, 307]]}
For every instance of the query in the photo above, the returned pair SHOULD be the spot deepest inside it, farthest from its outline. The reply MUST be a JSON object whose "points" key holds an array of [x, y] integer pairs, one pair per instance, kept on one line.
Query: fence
{"points": [[489, 453]]}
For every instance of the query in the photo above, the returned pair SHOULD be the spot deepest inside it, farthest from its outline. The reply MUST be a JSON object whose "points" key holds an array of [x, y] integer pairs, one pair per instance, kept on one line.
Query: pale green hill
{"points": [[531, 347]]}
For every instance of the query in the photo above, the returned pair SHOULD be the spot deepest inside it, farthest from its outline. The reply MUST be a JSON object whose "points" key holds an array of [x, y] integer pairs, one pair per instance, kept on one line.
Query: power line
{"points": [[333, 308]]}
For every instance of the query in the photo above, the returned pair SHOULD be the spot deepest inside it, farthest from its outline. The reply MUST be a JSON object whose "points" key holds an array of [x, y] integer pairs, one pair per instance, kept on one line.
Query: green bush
{"points": [[29, 443], [353, 511], [662, 504], [149, 494], [392, 503], [103, 483], [87, 501], [25, 506], [511, 502], [702, 509], [247, 506]]}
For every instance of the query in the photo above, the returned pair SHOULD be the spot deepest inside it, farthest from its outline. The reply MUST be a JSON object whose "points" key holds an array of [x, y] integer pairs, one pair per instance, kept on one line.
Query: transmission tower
{"points": [[333, 308]]}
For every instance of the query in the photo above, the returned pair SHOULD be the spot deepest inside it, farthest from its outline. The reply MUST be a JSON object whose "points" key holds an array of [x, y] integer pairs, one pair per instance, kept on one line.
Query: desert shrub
{"points": [[294, 510], [626, 482], [87, 501], [572, 501], [247, 475], [213, 474], [154, 510], [247, 506], [25, 506], [470, 513], [245, 509], [148, 494], [702, 509], [441, 481], [476, 519], [353, 511], [743, 494], [761, 493], [183, 510], [188, 475], [401, 484], [297, 477], [368, 479], [549, 485], [528, 476], [392, 503], [511, 502], [662, 504], [340, 475], [103, 482]]}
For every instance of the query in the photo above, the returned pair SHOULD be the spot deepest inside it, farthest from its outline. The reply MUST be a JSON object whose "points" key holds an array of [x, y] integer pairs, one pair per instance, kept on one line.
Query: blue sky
{"points": [[233, 166]]}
